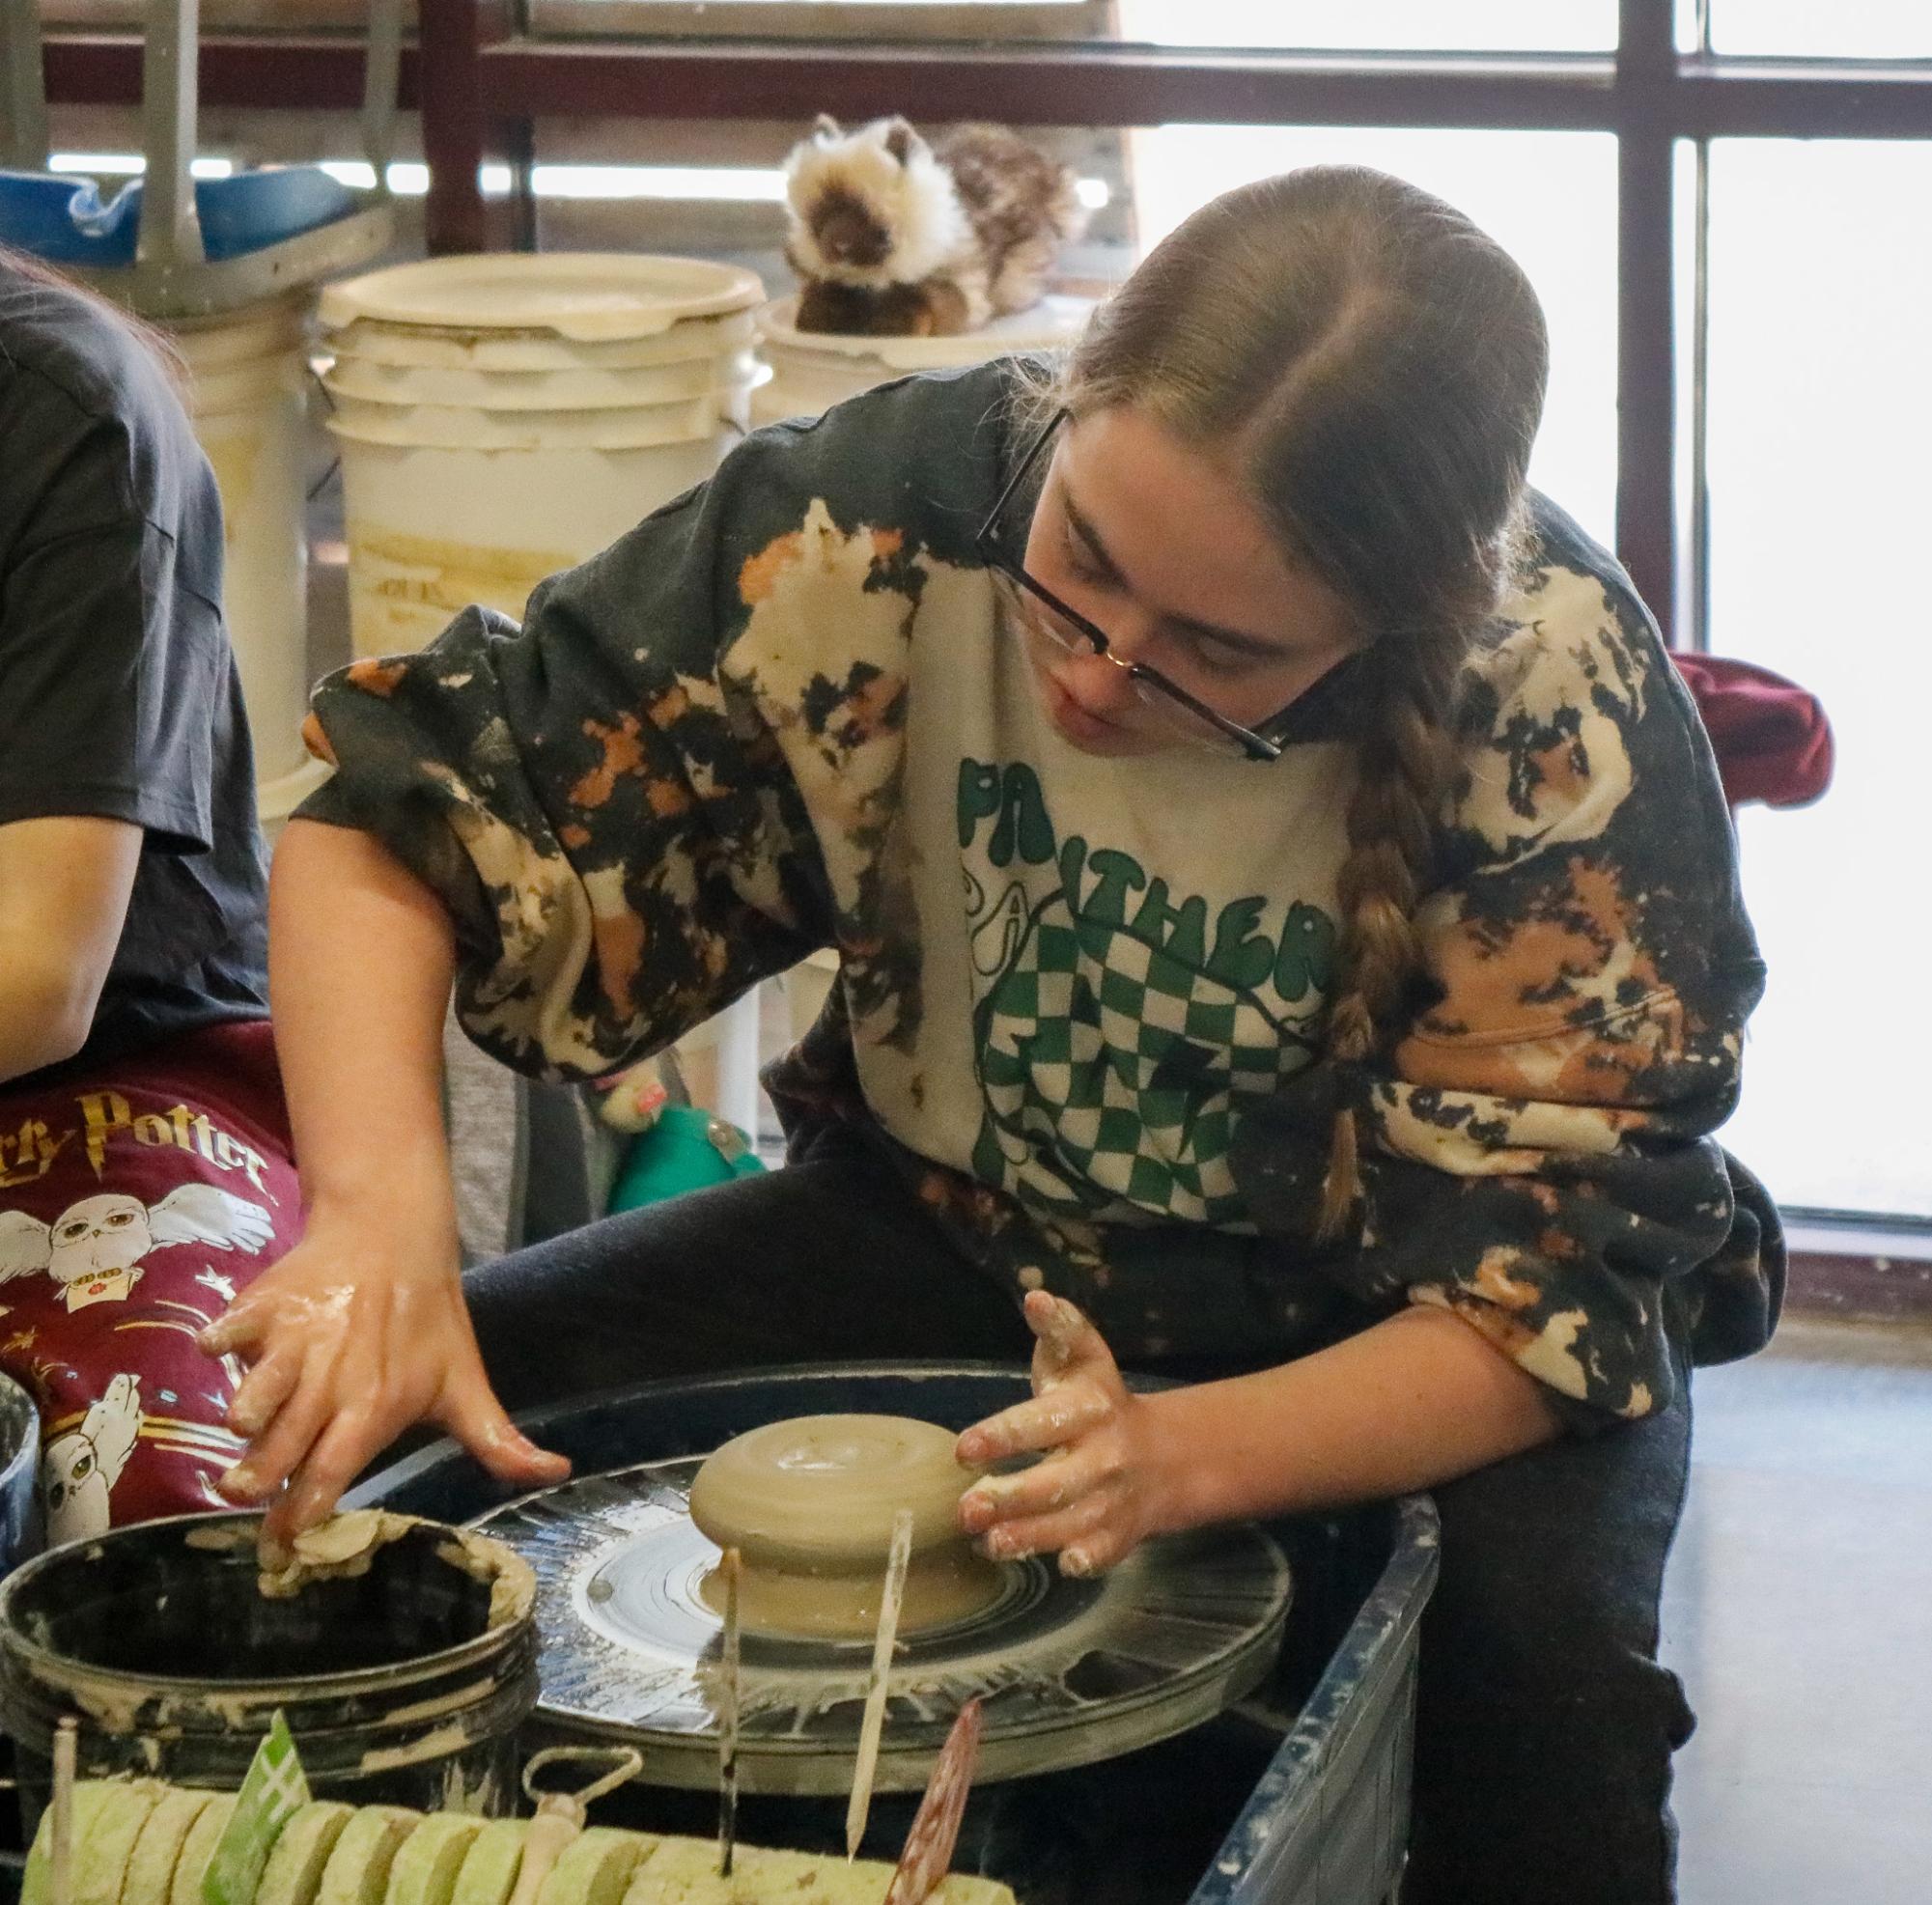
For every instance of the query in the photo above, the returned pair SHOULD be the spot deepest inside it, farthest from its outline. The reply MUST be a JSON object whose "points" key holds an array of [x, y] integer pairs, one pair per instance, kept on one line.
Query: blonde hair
{"points": [[1373, 366]]}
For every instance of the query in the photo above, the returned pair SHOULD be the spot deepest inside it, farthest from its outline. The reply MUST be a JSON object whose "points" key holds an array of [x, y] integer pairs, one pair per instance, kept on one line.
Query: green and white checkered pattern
{"points": [[1112, 1074]]}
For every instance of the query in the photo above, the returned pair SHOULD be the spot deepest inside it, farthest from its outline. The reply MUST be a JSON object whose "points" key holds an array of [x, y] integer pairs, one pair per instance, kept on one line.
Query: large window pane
{"points": [[1382, 25], [1845, 30], [1550, 198], [1820, 418], [1370, 25]]}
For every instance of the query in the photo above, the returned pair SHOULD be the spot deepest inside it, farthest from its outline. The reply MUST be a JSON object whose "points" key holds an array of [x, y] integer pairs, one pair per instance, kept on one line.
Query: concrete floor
{"points": [[1799, 1611]]}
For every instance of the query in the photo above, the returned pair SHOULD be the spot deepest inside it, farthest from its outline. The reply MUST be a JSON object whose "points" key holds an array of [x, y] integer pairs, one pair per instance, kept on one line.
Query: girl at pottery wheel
{"points": [[1290, 941]]}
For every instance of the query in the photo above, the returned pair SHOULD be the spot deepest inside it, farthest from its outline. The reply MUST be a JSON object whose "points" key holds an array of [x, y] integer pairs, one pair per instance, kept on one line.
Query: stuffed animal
{"points": [[892, 236], [673, 1146]]}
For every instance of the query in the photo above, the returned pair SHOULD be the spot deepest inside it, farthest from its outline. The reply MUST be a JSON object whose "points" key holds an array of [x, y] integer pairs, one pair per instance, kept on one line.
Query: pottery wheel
{"points": [[1067, 1672]]}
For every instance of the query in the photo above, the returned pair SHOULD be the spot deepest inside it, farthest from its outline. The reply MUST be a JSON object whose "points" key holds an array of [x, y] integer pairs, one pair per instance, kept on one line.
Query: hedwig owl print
{"points": [[131, 1213]]}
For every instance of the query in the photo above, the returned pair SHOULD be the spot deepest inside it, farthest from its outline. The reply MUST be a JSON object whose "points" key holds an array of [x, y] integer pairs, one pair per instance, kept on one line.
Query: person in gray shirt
{"points": [[131, 886], [145, 1169]]}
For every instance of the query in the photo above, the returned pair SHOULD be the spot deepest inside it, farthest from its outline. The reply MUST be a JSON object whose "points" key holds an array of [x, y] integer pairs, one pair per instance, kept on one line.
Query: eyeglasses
{"points": [[1072, 633]]}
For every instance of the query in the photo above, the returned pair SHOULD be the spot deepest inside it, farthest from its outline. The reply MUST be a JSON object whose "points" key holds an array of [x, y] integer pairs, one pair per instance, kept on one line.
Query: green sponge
{"points": [[489, 1872], [595, 1868], [151, 1870], [198, 1850], [357, 1872], [425, 1868], [109, 1816], [293, 1873]]}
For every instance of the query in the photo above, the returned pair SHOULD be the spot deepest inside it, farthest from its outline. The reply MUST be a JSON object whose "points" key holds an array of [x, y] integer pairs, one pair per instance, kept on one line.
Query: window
{"points": [[1802, 396], [1802, 29], [1820, 409]]}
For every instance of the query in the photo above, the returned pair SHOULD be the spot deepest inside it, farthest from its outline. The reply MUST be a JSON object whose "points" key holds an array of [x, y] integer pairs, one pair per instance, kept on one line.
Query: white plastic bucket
{"points": [[811, 371], [247, 396], [503, 417]]}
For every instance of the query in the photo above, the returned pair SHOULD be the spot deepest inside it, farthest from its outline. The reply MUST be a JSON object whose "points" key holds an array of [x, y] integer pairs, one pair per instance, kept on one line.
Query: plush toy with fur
{"points": [[892, 236]]}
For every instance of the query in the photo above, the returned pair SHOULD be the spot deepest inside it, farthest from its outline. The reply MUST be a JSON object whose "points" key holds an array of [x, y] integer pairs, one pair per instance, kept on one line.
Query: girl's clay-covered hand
{"points": [[345, 1352], [1096, 1496]]}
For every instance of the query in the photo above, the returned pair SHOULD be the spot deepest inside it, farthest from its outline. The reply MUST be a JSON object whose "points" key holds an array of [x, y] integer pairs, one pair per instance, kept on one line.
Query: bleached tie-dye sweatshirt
{"points": [[1081, 1000]]}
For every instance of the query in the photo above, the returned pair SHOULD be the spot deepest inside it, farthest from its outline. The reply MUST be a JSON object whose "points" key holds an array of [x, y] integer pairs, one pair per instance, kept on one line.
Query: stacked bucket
{"points": [[247, 393], [503, 417]]}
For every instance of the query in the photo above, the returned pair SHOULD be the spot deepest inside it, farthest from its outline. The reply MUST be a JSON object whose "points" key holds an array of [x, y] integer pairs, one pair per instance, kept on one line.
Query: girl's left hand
{"points": [[1095, 1497]]}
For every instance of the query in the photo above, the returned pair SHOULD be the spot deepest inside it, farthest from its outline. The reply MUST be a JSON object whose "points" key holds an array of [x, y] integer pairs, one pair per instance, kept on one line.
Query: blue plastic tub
{"points": [[1297, 1797], [64, 221]]}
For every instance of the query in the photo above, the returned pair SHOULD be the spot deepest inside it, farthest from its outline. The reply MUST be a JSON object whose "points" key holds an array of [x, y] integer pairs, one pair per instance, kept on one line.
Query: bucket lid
{"points": [[1050, 325], [369, 381], [450, 427], [584, 295], [427, 346]]}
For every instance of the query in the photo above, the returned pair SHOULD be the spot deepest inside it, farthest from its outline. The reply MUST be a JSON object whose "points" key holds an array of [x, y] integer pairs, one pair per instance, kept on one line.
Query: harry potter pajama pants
{"points": [[1546, 1725], [137, 1197]]}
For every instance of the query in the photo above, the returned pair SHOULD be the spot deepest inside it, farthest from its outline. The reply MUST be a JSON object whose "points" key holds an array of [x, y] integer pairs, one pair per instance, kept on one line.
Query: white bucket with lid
{"points": [[811, 371], [503, 417], [247, 396]]}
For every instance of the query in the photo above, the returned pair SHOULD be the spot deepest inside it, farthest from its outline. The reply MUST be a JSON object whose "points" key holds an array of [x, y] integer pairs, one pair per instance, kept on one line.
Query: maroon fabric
{"points": [[134, 1202], [1771, 736]]}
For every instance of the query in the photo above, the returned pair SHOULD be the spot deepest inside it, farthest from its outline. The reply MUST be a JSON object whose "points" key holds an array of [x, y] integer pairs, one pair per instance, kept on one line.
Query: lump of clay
{"points": [[341, 1547], [809, 1504]]}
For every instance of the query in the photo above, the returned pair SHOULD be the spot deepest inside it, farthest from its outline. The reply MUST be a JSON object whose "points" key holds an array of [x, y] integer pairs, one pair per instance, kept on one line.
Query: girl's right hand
{"points": [[351, 1339]]}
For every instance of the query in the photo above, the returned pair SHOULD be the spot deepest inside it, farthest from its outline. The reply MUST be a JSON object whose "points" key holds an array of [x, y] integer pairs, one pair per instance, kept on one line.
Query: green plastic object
{"points": [[685, 1150]]}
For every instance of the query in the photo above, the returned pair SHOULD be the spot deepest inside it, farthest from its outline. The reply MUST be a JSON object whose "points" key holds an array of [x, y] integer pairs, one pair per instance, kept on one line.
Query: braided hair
{"points": [[1373, 367]]}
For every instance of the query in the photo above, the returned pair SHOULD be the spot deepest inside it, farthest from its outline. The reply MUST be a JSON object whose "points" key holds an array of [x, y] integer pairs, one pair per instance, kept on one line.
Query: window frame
{"points": [[481, 80]]}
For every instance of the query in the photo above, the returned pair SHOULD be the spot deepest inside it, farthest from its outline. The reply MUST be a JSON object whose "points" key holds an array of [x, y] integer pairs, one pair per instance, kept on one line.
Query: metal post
{"points": [[382, 79], [1647, 529], [169, 225], [451, 37], [24, 89]]}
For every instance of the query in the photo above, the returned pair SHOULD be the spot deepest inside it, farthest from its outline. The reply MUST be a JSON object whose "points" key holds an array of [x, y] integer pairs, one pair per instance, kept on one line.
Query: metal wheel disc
{"points": [[1067, 1672]]}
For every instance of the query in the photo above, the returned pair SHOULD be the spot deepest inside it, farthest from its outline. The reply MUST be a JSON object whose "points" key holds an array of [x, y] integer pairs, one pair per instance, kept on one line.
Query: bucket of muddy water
{"points": [[403, 1653], [503, 417], [19, 1463]]}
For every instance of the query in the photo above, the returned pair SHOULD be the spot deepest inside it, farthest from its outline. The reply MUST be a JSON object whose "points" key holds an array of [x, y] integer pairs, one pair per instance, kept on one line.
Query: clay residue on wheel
{"points": [[513, 1583], [345, 1546]]}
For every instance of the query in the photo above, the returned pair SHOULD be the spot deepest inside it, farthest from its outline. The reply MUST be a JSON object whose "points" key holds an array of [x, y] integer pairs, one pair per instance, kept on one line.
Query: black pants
{"points": [[1546, 1725]]}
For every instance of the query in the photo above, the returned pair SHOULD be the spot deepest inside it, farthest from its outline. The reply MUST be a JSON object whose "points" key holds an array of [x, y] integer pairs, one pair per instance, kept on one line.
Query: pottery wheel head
{"points": [[818, 1494]]}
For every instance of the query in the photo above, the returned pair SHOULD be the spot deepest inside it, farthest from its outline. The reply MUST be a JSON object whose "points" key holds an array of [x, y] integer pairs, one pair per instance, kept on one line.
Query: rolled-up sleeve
{"points": [[669, 783], [612, 825]]}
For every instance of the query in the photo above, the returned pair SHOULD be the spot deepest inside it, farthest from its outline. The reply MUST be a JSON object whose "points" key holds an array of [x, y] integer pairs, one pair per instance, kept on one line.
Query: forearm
{"points": [[361, 957], [1416, 1400]]}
